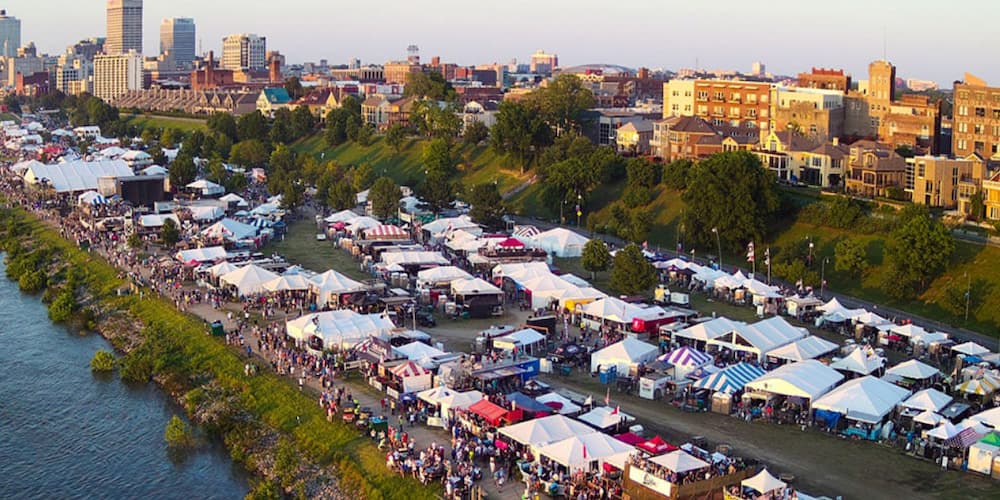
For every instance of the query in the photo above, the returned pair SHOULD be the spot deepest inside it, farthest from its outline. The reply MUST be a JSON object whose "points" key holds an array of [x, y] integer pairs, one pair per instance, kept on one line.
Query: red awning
{"points": [[656, 446], [511, 243], [489, 411], [629, 438]]}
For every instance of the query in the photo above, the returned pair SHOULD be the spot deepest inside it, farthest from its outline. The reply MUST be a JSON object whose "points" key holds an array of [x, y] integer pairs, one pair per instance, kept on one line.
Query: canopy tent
{"points": [[731, 379], [418, 351], [928, 417], [341, 328], [235, 199], [929, 338], [679, 461], [205, 213], [525, 232], [807, 379], [221, 268], [204, 254], [709, 276], [760, 337], [287, 283], [979, 386], [928, 400], [206, 187], [519, 401], [542, 431], [362, 224], [686, 356], [810, 347], [230, 230], [447, 399], [618, 311], [970, 349], [562, 404], [521, 271], [834, 312], [624, 355], [440, 227], [708, 330], [332, 283], [866, 399], [763, 483], [91, 198], [412, 376], [871, 319], [75, 176], [946, 430], [519, 339], [605, 417], [341, 216], [656, 446], [581, 453], [762, 290], [912, 369], [560, 242], [441, 275], [473, 287], [414, 258], [908, 331], [248, 279], [860, 361], [990, 417], [386, 232]]}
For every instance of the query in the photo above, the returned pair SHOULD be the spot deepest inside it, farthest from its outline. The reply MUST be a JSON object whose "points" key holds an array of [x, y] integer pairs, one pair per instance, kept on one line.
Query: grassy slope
{"points": [[183, 124]]}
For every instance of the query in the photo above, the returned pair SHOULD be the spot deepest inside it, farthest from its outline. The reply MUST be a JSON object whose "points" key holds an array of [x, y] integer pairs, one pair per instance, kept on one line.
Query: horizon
{"points": [[794, 47]]}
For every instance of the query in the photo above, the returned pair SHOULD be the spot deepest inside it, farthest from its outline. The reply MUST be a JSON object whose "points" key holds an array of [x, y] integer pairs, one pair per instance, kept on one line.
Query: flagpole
{"points": [[755, 260]]}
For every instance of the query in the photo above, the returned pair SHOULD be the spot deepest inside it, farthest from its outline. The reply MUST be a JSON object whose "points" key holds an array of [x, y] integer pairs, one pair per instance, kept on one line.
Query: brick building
{"points": [[976, 121]]}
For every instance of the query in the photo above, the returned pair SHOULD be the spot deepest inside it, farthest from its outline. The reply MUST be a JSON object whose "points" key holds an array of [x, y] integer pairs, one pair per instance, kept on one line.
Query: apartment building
{"points": [[815, 113], [873, 110], [943, 182], [399, 71], [244, 51], [827, 79], [991, 197], [115, 75], [874, 169], [730, 103], [976, 121]]}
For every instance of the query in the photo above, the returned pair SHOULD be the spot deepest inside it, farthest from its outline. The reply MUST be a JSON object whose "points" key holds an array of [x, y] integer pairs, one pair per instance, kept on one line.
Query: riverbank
{"points": [[261, 418]]}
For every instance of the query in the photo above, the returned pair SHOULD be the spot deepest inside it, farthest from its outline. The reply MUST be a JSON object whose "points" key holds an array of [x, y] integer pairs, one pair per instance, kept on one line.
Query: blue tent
{"points": [[526, 403], [732, 379]]}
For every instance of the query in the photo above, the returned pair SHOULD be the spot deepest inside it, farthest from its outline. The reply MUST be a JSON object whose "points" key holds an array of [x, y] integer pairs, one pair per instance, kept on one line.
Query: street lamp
{"points": [[718, 242], [822, 278], [811, 245], [579, 211]]}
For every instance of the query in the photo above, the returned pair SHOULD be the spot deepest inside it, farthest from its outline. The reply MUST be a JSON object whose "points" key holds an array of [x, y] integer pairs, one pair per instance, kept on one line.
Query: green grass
{"points": [[185, 125], [301, 247]]}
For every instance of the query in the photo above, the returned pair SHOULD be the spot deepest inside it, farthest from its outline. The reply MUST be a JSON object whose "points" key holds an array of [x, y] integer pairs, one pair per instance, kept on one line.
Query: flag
{"points": [[750, 252], [645, 245], [767, 256], [615, 411], [607, 397], [584, 451], [963, 439]]}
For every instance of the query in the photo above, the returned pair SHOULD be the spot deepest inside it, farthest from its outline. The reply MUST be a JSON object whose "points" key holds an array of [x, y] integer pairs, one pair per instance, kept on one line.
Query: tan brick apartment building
{"points": [[946, 183], [730, 103], [976, 122], [873, 110], [826, 79]]}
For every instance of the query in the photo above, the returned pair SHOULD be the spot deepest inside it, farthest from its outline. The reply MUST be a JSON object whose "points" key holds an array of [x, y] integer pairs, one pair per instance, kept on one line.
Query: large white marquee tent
{"points": [[342, 328]]}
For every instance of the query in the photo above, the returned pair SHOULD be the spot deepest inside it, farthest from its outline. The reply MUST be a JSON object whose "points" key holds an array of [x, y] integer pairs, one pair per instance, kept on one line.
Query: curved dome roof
{"points": [[607, 69]]}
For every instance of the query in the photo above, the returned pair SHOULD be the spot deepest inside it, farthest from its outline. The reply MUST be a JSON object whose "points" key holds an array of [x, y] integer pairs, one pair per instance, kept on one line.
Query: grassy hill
{"points": [[185, 125]]}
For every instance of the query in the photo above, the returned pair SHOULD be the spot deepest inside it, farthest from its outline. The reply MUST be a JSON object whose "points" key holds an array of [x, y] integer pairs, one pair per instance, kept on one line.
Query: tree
{"points": [[103, 361], [637, 227], [519, 132], [395, 136], [303, 122], [384, 197], [437, 155], [977, 207], [169, 138], [341, 196], [438, 189], [182, 171], [281, 127], [193, 143], [63, 307], [249, 153], [134, 241], [675, 174], [224, 124], [431, 85], [157, 155], [487, 207], [291, 195], [632, 274], [475, 133], [365, 135], [282, 159], [915, 253], [795, 271], [733, 193], [177, 434], [563, 102], [364, 177], [294, 88], [169, 233], [851, 256], [252, 126], [642, 172], [217, 171], [596, 257]]}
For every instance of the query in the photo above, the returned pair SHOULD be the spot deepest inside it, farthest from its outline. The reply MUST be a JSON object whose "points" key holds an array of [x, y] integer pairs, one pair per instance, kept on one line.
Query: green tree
{"points": [[303, 122], [563, 102], [733, 193], [851, 256], [182, 171], [169, 233], [675, 174], [977, 207], [915, 253], [395, 136], [294, 88], [224, 124], [341, 196], [519, 132], [364, 177], [216, 171], [134, 241], [282, 159], [193, 144], [487, 206], [796, 270], [430, 85], [103, 361], [249, 153], [169, 138], [178, 434], [62, 308], [639, 222], [292, 195], [384, 198], [281, 127], [286, 463], [642, 172], [438, 155], [438, 190], [595, 258], [475, 133], [252, 126], [365, 135], [632, 274]]}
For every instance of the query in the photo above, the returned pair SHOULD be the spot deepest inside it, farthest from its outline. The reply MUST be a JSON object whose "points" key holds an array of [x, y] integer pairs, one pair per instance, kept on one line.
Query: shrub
{"points": [[63, 306], [103, 361], [177, 433], [32, 282]]}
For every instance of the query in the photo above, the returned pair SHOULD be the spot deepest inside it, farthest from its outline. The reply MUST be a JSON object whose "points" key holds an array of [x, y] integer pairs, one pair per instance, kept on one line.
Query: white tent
{"points": [[808, 379], [287, 283], [235, 198], [604, 417], [91, 198], [204, 254], [566, 406], [912, 369], [866, 399], [810, 347], [761, 337], [679, 461], [871, 319], [153, 170], [418, 350], [412, 376], [613, 310], [521, 271], [990, 417], [584, 452], [560, 242], [542, 431], [945, 431], [441, 275], [333, 283], [834, 312], [709, 330], [928, 417], [763, 483], [414, 258], [909, 330], [438, 228], [363, 223], [447, 399], [624, 355], [971, 349], [928, 399], [520, 339], [230, 230], [860, 361], [206, 187], [342, 328], [248, 279], [221, 268], [75, 176], [266, 209], [472, 287], [341, 216], [205, 213]]}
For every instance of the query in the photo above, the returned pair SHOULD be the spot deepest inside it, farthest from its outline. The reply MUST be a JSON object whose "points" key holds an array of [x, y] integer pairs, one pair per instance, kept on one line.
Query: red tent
{"points": [[489, 411], [630, 438], [656, 446], [511, 243]]}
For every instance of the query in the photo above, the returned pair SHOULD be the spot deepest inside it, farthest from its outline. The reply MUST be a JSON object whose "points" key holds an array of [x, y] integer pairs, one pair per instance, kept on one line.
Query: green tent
{"points": [[992, 438]]}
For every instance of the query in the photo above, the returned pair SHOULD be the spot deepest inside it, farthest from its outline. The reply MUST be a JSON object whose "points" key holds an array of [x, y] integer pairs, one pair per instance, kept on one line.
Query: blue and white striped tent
{"points": [[260, 223], [686, 356], [730, 380]]}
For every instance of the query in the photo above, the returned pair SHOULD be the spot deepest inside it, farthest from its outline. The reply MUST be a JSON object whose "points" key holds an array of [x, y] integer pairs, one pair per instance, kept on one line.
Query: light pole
{"points": [[811, 245], [968, 296], [579, 211], [718, 242], [822, 278]]}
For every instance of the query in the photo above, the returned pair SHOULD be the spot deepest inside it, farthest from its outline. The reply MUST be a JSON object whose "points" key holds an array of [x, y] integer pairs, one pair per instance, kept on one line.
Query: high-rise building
{"points": [[116, 74], [976, 124], [244, 51], [10, 34], [543, 63], [177, 41], [124, 27]]}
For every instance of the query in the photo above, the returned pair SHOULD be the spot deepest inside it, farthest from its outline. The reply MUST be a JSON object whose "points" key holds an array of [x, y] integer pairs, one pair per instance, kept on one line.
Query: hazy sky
{"points": [[925, 39]]}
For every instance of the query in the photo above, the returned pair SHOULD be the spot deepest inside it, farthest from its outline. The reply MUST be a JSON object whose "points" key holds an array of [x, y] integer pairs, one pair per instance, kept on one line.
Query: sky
{"points": [[925, 39]]}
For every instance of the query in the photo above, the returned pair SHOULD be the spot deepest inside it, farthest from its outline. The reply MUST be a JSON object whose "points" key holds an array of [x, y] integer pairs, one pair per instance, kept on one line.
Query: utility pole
{"points": [[822, 279], [968, 296]]}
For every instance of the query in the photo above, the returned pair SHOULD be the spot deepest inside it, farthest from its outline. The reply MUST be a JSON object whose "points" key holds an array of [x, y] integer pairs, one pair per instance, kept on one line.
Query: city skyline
{"points": [[923, 47]]}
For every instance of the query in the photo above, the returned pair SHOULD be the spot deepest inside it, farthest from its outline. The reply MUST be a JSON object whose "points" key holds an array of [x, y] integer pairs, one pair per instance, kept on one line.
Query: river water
{"points": [[68, 433]]}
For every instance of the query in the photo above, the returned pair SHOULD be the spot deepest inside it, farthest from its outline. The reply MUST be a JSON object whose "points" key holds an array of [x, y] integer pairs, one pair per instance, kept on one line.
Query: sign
{"points": [[435, 421], [393, 393], [650, 481]]}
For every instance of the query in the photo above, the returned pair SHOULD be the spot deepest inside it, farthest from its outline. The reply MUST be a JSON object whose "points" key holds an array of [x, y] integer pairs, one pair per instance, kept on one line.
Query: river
{"points": [[68, 433]]}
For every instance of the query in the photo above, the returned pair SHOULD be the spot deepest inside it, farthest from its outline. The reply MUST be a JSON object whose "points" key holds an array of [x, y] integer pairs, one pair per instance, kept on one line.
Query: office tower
{"points": [[10, 34], [124, 27], [244, 51], [116, 74], [177, 41]]}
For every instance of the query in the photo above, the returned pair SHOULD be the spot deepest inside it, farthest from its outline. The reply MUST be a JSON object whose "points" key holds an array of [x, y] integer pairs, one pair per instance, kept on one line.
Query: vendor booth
{"points": [[685, 360], [866, 401], [331, 285], [759, 338], [928, 399], [543, 431], [810, 347], [446, 400], [911, 371], [248, 280], [340, 329], [527, 341], [606, 418], [625, 356], [587, 452], [440, 277], [477, 297], [803, 381], [560, 404], [411, 377]]}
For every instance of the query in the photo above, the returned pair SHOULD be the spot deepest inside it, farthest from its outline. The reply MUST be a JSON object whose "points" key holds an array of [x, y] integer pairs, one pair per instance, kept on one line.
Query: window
{"points": [[979, 146], [676, 93], [817, 161], [812, 129], [702, 110], [718, 111], [687, 93], [735, 96], [702, 95], [687, 108], [675, 107], [981, 112], [720, 96], [964, 94], [752, 113], [734, 111], [752, 98], [996, 114], [962, 144], [979, 128], [921, 169], [963, 111], [963, 127]]}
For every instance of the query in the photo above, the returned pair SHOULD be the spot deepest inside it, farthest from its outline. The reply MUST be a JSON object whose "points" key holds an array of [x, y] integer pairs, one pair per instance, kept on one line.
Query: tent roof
{"points": [[928, 399], [488, 410], [526, 336], [979, 386], [805, 379], [413, 258], [418, 350], [991, 417], [578, 451], [604, 417], [248, 279], [442, 274], [928, 417], [686, 356], [362, 223], [909, 330], [521, 271], [810, 347], [341, 327], [761, 337], [679, 461], [629, 348], [385, 231], [763, 482], [867, 399], [445, 224], [971, 348], [451, 398], [859, 361], [656, 446], [566, 406], [913, 369], [288, 282], [731, 379], [474, 286], [334, 282], [76, 175], [230, 229], [221, 268], [613, 309], [946, 430], [342, 216], [409, 369], [560, 238], [709, 330], [545, 430], [204, 254], [523, 402]]}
